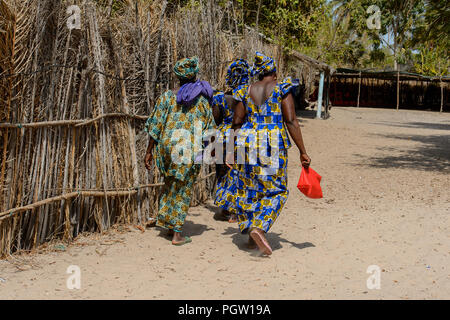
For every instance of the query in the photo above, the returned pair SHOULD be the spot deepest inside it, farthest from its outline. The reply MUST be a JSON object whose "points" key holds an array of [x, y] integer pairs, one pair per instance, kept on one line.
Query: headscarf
{"points": [[263, 64], [237, 73], [189, 92], [186, 68]]}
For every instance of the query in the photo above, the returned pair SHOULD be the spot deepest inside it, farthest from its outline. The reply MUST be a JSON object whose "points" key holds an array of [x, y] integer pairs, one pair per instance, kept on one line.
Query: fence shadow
{"points": [[306, 114], [275, 240], [418, 125], [433, 154]]}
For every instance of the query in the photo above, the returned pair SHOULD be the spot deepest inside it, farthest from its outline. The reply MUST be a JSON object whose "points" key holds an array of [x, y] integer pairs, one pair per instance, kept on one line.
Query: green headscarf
{"points": [[186, 68]]}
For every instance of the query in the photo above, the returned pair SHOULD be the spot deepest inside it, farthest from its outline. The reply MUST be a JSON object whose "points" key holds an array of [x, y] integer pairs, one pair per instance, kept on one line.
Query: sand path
{"points": [[386, 181]]}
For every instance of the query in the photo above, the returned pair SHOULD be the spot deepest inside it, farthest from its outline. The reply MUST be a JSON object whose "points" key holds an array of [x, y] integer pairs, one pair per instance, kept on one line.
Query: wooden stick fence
{"points": [[86, 193], [75, 123], [82, 96]]}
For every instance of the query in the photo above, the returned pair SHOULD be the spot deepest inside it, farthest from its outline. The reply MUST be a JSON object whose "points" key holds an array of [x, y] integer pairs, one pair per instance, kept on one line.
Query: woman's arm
{"points": [[239, 116], [290, 118], [148, 154], [217, 114]]}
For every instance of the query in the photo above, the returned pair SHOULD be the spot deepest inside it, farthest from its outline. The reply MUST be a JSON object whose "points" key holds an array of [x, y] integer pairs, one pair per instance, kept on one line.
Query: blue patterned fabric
{"points": [[238, 73], [226, 184], [262, 65], [262, 180]]}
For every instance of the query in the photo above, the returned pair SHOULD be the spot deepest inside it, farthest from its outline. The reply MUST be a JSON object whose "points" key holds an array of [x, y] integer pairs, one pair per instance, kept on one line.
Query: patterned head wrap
{"points": [[263, 64], [237, 73], [186, 68]]}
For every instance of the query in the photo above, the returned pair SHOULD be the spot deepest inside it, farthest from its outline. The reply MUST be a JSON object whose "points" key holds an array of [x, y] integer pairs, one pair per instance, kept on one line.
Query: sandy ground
{"points": [[386, 181]]}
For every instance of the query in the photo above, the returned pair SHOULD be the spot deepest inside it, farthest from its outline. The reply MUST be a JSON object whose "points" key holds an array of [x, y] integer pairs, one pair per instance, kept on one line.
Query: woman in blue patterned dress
{"points": [[171, 127], [223, 108], [263, 110]]}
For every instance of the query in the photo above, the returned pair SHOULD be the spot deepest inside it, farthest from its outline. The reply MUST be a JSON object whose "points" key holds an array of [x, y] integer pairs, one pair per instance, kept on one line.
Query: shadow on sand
{"points": [[218, 214], [306, 114], [275, 240], [433, 153], [191, 229], [418, 125]]}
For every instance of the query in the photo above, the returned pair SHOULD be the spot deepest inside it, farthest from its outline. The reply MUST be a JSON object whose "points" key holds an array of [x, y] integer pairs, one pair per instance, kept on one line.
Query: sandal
{"points": [[186, 240]]}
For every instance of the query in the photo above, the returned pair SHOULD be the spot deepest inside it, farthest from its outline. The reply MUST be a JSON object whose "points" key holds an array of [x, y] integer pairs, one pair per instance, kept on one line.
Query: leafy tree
{"points": [[292, 22]]}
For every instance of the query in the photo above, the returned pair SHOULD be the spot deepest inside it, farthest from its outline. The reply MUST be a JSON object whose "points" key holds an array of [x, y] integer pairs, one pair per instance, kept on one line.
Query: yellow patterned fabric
{"points": [[168, 124], [174, 202], [226, 181], [261, 181], [262, 65]]}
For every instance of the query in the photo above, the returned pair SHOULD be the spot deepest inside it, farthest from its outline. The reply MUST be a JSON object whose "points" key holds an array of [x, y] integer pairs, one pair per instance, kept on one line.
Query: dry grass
{"points": [[119, 62]]}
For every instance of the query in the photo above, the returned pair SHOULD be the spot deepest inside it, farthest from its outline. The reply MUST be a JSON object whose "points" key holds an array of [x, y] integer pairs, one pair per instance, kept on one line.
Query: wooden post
{"points": [[359, 90], [398, 89], [442, 94], [157, 53], [327, 97], [320, 94]]}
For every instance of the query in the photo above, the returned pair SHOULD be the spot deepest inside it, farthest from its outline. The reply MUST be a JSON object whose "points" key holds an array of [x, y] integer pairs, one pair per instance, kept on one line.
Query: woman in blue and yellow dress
{"points": [[174, 120], [263, 110], [223, 109]]}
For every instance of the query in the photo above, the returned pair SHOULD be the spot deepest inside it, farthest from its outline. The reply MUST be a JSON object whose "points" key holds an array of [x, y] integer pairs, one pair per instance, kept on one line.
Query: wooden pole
{"points": [[398, 89], [319, 97], [359, 90], [442, 95], [327, 99], [157, 53]]}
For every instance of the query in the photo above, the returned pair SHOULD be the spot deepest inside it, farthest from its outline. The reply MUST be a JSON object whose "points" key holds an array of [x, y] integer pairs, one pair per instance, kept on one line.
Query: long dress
{"points": [[262, 179], [226, 181], [171, 124]]}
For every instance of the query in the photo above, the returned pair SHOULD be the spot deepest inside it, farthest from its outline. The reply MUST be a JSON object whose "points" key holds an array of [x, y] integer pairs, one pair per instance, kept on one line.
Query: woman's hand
{"points": [[148, 160], [148, 155], [229, 160], [305, 160]]}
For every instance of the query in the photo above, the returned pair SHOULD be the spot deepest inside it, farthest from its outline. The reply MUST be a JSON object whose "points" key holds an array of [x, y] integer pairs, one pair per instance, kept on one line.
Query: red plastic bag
{"points": [[309, 183]]}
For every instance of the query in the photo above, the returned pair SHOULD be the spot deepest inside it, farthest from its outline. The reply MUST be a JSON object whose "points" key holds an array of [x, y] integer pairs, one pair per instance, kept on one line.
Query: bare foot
{"points": [[233, 218], [258, 236], [178, 240]]}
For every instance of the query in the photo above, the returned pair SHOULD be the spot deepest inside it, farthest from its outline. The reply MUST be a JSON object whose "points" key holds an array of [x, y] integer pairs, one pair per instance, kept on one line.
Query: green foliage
{"points": [[292, 22], [432, 62], [413, 32]]}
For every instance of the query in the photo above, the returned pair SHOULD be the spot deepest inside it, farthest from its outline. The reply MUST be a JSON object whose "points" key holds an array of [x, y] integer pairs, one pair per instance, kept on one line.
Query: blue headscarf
{"points": [[237, 73], [263, 64]]}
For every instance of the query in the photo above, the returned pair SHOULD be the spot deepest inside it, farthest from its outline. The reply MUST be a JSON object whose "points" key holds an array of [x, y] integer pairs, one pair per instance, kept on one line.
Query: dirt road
{"points": [[386, 182]]}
